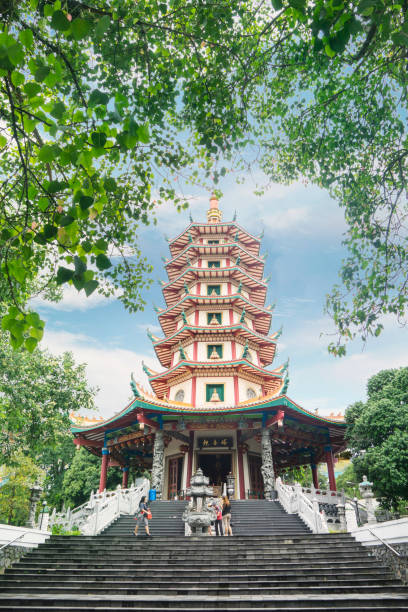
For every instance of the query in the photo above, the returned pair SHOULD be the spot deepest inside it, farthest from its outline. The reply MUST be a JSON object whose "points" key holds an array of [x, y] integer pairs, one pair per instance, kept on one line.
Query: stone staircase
{"points": [[281, 572], [166, 521], [262, 517]]}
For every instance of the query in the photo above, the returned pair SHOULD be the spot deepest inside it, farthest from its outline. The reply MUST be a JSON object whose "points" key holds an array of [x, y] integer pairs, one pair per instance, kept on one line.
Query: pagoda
{"points": [[217, 403]]}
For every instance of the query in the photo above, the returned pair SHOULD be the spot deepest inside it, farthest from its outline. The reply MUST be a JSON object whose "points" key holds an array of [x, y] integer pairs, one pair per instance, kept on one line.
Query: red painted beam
{"points": [[275, 418], [143, 419], [84, 442]]}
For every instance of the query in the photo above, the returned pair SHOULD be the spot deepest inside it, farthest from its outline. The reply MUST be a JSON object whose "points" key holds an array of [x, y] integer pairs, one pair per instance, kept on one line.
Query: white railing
{"points": [[324, 496], [295, 501], [21, 536], [101, 510]]}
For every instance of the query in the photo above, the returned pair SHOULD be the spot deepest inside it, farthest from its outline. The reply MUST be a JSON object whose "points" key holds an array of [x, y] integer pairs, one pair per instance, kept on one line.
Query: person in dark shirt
{"points": [[226, 516], [141, 517]]}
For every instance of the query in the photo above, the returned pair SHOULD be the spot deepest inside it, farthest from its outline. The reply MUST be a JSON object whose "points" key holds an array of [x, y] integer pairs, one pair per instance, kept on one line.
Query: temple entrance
{"points": [[216, 466], [255, 477], [175, 473]]}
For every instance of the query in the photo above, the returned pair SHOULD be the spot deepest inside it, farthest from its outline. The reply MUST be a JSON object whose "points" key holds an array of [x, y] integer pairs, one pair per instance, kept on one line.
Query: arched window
{"points": [[250, 393], [179, 395]]}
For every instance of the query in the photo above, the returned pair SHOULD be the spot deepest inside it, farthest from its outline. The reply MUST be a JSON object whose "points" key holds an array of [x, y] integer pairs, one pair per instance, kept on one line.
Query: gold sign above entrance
{"points": [[216, 442]]}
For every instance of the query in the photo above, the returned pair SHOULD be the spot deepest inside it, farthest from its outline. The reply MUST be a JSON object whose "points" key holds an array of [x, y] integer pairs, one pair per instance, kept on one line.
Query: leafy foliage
{"points": [[93, 100], [82, 477], [333, 110], [15, 494], [377, 433], [348, 482], [37, 393]]}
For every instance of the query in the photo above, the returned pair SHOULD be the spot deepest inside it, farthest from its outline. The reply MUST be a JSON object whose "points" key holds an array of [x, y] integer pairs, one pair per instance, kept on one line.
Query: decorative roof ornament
{"points": [[271, 306], [242, 317], [189, 261], [167, 239], [134, 386], [285, 366], [150, 335], [245, 352], [236, 237], [239, 287], [186, 289], [183, 316], [278, 333], [182, 353], [191, 218], [285, 385], [214, 214], [238, 260], [156, 308], [190, 238], [265, 256], [261, 235], [214, 320], [146, 369], [267, 279], [161, 282], [234, 218]]}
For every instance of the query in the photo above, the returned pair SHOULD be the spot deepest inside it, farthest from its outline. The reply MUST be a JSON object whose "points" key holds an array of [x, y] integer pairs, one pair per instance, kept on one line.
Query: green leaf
{"points": [[3, 141], [90, 287], [298, 4], [58, 110], [101, 244], [400, 39], [66, 220], [87, 246], [42, 73], [17, 78], [30, 344], [26, 37], [80, 266], [32, 89], [47, 153], [15, 54], [50, 231], [79, 28], [143, 133], [36, 333], [102, 26], [98, 139], [64, 275], [85, 202], [110, 184], [60, 22], [97, 97], [277, 4], [43, 204], [33, 319], [103, 262]]}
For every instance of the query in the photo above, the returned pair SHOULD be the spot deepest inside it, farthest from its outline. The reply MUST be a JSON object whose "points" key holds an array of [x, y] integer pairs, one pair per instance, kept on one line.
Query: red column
{"points": [[314, 475], [104, 469], [330, 468], [125, 476], [190, 458], [193, 390], [236, 390], [241, 479]]}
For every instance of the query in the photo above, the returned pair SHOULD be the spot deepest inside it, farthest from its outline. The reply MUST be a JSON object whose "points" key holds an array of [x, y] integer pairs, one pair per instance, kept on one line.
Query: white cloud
{"points": [[74, 300], [107, 368]]}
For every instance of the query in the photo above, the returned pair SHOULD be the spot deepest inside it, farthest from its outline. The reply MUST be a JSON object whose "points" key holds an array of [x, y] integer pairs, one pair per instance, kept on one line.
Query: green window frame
{"points": [[214, 264], [214, 288], [213, 242], [209, 390], [217, 347], [217, 315]]}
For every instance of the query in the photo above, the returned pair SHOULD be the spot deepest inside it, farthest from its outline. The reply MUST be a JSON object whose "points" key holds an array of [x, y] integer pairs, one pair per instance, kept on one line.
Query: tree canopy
{"points": [[37, 393], [377, 431], [103, 106], [333, 110]]}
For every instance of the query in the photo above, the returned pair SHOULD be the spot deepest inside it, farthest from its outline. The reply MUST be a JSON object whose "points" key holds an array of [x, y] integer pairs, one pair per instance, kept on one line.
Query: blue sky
{"points": [[303, 230]]}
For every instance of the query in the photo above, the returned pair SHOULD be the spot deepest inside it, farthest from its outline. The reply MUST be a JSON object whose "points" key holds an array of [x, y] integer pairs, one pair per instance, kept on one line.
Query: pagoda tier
{"points": [[193, 275], [169, 319], [229, 250], [183, 374], [199, 232], [189, 336]]}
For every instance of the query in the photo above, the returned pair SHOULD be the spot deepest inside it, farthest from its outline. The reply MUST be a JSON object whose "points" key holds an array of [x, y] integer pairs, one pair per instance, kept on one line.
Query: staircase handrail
{"points": [[95, 515], [294, 501], [323, 495]]}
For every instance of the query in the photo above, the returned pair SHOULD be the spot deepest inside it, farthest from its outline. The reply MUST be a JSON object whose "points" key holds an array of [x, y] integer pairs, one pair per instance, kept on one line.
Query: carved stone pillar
{"points": [[158, 463], [267, 464]]}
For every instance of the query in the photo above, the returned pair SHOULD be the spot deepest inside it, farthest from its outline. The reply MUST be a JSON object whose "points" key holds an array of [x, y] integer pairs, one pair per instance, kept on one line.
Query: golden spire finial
{"points": [[214, 214]]}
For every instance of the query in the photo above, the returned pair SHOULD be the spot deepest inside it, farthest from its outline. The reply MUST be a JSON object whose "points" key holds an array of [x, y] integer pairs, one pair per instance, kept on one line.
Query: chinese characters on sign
{"points": [[215, 442]]}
